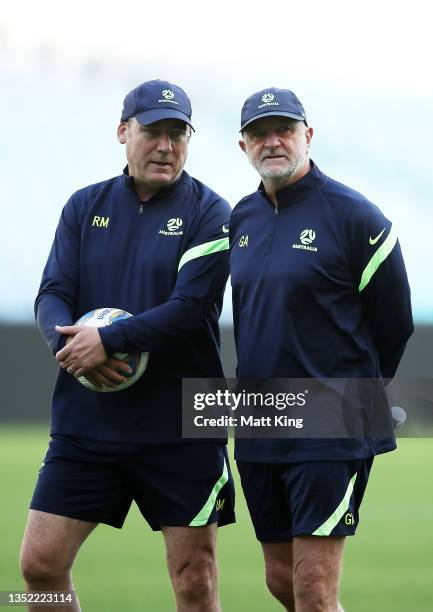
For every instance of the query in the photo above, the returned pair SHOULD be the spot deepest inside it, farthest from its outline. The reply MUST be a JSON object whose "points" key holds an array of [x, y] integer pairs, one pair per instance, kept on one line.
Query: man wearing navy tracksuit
{"points": [[154, 242], [320, 292]]}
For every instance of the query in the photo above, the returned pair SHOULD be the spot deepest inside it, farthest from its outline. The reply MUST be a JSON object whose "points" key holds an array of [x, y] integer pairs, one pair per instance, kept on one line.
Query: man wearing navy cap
{"points": [[319, 292], [161, 253]]}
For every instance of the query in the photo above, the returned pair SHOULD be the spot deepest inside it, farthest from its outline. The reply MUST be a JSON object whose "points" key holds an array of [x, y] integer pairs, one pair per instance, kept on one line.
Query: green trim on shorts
{"points": [[214, 246], [329, 524], [204, 514]]}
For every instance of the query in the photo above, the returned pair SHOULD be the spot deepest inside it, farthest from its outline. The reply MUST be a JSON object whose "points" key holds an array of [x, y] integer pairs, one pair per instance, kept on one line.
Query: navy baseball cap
{"points": [[155, 100], [272, 102]]}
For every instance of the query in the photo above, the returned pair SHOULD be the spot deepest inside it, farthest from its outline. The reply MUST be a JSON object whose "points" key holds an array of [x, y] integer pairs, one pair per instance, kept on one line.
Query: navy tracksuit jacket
{"points": [[166, 262], [319, 291]]}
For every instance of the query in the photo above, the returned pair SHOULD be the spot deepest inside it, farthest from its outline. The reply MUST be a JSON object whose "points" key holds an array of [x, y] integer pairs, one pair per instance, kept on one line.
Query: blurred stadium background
{"points": [[365, 87]]}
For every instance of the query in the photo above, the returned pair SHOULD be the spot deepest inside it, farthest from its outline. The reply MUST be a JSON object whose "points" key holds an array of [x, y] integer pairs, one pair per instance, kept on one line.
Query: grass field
{"points": [[388, 565]]}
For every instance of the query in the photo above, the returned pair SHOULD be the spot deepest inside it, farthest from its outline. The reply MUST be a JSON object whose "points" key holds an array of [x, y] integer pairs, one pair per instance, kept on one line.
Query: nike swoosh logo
{"points": [[374, 240], [225, 231]]}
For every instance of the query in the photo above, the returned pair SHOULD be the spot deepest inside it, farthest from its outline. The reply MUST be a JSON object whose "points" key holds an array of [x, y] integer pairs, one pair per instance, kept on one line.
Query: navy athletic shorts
{"points": [[172, 484], [320, 498]]}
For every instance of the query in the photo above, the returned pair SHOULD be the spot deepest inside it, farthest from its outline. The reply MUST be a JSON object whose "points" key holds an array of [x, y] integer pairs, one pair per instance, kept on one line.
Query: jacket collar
{"points": [[299, 190], [128, 182]]}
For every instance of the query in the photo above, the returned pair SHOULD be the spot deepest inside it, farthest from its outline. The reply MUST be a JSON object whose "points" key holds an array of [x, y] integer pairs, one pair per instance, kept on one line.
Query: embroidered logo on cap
{"points": [[268, 97], [168, 96]]}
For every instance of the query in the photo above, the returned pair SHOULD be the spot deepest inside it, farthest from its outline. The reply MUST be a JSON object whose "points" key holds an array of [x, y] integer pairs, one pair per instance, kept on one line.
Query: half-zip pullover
{"points": [[164, 261], [319, 291]]}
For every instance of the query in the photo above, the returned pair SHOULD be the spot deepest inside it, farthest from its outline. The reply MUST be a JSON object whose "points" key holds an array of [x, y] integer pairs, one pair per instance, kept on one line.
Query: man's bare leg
{"points": [[316, 573], [50, 545], [304, 575], [279, 572], [191, 560]]}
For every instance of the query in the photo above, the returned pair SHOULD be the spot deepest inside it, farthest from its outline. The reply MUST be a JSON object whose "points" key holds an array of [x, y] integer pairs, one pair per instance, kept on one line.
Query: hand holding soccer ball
{"points": [[92, 358]]}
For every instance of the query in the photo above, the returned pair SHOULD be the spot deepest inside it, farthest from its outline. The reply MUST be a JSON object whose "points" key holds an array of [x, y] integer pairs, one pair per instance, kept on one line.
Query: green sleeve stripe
{"points": [[204, 514], [207, 248], [329, 524], [378, 258]]}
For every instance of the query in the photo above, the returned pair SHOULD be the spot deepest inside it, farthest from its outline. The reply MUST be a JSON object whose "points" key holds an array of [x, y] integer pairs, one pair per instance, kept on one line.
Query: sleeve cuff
{"points": [[108, 339]]}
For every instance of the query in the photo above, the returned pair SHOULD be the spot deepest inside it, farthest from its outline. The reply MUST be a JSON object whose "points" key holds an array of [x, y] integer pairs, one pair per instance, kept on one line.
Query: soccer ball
{"points": [[107, 316]]}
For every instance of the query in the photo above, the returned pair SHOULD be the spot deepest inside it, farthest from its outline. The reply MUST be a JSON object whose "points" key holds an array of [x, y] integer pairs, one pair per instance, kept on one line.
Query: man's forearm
{"points": [[147, 331], [51, 310]]}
